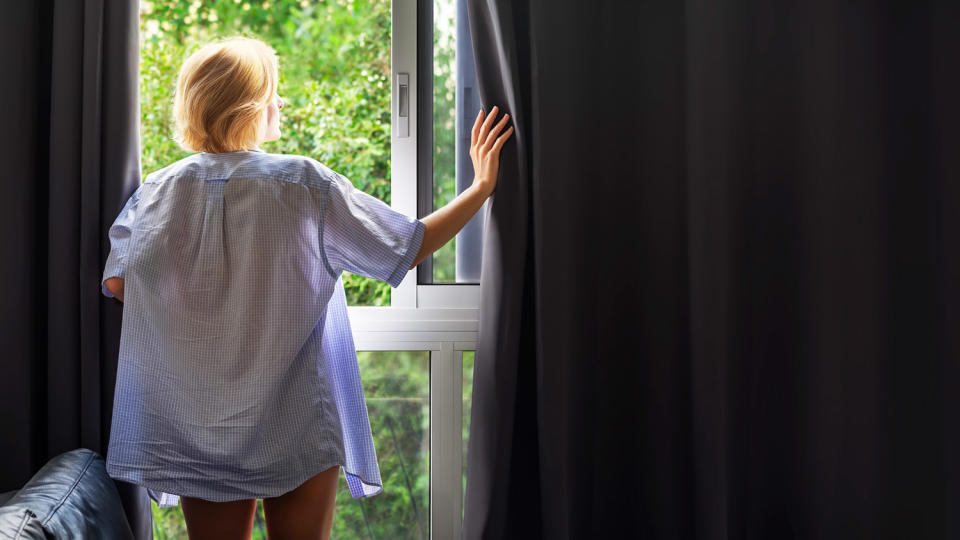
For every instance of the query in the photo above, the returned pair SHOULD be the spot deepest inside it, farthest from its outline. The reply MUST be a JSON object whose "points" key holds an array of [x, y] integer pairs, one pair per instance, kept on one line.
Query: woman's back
{"points": [[229, 367], [230, 245]]}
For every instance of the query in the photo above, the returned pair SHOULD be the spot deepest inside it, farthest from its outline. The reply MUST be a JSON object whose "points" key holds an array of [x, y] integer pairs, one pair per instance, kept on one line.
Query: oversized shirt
{"points": [[238, 376]]}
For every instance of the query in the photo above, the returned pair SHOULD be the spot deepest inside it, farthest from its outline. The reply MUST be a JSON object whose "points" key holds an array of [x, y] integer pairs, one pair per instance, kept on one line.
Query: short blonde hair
{"points": [[222, 94]]}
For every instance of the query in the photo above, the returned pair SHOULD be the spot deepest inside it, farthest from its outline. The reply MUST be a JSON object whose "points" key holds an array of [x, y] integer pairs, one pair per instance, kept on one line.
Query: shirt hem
{"points": [[132, 475]]}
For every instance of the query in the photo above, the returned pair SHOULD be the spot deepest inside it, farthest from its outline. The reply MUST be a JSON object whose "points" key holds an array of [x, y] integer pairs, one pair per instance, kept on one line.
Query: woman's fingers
{"points": [[496, 130], [498, 144], [482, 136], [475, 132]]}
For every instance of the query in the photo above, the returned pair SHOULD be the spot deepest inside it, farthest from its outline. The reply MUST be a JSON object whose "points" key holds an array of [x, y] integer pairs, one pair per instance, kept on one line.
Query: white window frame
{"points": [[442, 319], [403, 171], [446, 333]]}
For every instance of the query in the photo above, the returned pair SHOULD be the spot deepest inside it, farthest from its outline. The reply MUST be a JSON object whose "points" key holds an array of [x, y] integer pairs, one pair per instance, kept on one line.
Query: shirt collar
{"points": [[234, 152]]}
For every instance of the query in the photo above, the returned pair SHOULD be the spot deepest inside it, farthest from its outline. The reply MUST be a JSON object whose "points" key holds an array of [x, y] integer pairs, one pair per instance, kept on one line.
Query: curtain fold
{"points": [[721, 272], [71, 158]]}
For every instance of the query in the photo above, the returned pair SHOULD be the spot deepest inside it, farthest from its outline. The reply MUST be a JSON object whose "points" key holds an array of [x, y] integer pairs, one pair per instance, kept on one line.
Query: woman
{"points": [[237, 376]]}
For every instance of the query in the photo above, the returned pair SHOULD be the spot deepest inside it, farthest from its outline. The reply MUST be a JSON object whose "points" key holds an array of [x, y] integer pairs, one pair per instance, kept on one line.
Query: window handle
{"points": [[403, 104]]}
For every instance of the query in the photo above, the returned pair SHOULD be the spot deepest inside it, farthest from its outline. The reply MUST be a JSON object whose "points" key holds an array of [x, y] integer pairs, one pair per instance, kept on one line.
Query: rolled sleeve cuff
{"points": [[416, 240]]}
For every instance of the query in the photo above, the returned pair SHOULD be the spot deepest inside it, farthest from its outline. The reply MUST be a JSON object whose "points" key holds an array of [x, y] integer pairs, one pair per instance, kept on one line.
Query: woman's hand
{"points": [[445, 222], [115, 286], [485, 145]]}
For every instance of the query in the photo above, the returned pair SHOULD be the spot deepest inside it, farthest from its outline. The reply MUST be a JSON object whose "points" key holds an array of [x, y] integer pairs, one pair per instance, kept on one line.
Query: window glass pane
{"points": [[468, 357], [334, 75], [455, 106], [444, 126], [396, 387], [168, 522]]}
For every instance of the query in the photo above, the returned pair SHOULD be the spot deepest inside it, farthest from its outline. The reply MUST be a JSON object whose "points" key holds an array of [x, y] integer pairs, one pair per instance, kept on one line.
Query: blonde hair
{"points": [[222, 94]]}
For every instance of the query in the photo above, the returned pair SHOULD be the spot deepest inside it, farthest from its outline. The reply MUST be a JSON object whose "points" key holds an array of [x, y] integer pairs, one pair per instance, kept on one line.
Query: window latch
{"points": [[403, 105]]}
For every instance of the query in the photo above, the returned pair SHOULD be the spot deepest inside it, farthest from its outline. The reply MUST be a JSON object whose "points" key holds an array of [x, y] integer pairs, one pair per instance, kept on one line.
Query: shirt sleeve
{"points": [[119, 234], [363, 235]]}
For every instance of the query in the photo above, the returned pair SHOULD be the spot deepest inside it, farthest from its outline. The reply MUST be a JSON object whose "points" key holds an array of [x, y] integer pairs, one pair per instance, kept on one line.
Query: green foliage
{"points": [[468, 364]]}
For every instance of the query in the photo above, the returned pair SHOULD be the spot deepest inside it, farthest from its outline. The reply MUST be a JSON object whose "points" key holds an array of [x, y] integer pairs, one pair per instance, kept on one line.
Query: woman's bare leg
{"points": [[216, 520], [306, 512]]}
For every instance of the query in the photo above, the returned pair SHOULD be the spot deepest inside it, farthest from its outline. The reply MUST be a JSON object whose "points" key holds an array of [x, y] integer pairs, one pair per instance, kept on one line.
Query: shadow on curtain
{"points": [[721, 272], [70, 156]]}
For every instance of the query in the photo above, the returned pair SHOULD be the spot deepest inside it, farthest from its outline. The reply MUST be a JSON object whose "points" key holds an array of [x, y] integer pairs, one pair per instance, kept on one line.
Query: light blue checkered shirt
{"points": [[238, 374]]}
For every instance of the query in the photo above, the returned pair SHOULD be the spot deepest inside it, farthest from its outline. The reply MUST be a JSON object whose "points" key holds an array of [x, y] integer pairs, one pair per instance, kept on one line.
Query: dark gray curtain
{"points": [[721, 271], [70, 158]]}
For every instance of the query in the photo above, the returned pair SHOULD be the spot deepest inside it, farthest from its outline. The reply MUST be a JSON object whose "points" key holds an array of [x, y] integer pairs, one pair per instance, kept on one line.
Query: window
{"points": [[450, 342], [383, 91], [431, 163]]}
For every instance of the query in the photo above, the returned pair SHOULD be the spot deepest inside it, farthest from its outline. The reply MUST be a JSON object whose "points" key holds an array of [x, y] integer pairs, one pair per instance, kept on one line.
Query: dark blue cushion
{"points": [[71, 496]]}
